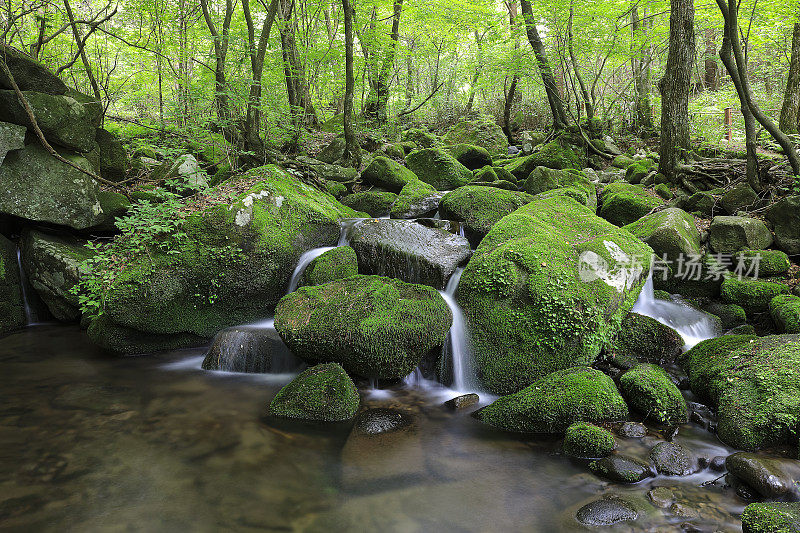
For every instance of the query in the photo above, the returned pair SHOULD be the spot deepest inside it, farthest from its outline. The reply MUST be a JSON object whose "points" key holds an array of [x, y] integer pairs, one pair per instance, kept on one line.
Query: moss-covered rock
{"points": [[554, 402], [742, 196], [637, 171], [785, 215], [339, 263], [663, 190], [700, 203], [333, 151], [113, 160], [408, 250], [438, 168], [588, 441], [753, 295], [64, 121], [53, 267], [36, 186], [421, 138], [483, 132], [557, 154], [335, 189], [623, 203], [233, 265], [545, 290], [698, 277], [785, 311], [373, 326], [29, 74], [322, 393], [484, 176], [669, 233], [623, 161], [644, 339], [753, 382], [730, 315], [730, 234], [387, 173], [416, 199], [12, 305], [12, 137], [649, 390], [771, 517], [481, 207], [762, 263], [471, 156], [374, 203], [543, 179]]}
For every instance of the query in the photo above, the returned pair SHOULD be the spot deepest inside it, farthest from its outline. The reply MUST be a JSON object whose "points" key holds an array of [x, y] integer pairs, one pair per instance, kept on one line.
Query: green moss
{"points": [[481, 207], [785, 311], [469, 155], [335, 189], [437, 167], [322, 393], [635, 172], [770, 262], [374, 203], [552, 403], [578, 186], [529, 311], [672, 232], [588, 441], [730, 315], [385, 172], [421, 138], [339, 263], [642, 338], [373, 326], [557, 154], [772, 517], [692, 285], [482, 132], [485, 175], [650, 391], [753, 295], [661, 295], [623, 203], [754, 382], [417, 198]]}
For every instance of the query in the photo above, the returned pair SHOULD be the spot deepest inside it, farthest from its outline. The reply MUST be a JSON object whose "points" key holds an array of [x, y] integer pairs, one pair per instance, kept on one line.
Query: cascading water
{"points": [[23, 284], [692, 325], [457, 351], [304, 261]]}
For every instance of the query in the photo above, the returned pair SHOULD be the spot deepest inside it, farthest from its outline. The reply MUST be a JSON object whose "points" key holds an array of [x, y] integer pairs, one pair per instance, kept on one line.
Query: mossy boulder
{"points": [[730, 315], [12, 304], [762, 263], [333, 151], [644, 339], [483, 132], [12, 137], [554, 402], [580, 195], [416, 199], [740, 197], [113, 160], [484, 176], [323, 393], [374, 203], [471, 156], [53, 266], [753, 382], [409, 251], [339, 263], [623, 161], [557, 154], [438, 168], [731, 234], [587, 441], [543, 179], [64, 121], [698, 277], [623, 203], [663, 190], [29, 74], [753, 295], [639, 170], [669, 233], [650, 391], [36, 186], [481, 207], [373, 326], [545, 290], [771, 517], [785, 216], [700, 203], [232, 267], [785, 312], [387, 173], [622, 468], [421, 138]]}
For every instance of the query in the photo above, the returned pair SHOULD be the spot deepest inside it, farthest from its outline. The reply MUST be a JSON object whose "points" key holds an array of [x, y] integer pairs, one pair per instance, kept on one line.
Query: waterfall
{"points": [[692, 325], [23, 287], [457, 352], [304, 261]]}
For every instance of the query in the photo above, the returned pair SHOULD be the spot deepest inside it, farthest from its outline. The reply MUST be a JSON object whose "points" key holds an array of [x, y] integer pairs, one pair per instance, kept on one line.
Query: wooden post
{"points": [[729, 123]]}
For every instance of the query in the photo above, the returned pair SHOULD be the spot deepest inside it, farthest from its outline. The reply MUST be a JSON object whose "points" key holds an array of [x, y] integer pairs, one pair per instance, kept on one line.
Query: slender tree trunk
{"points": [[640, 63], [221, 40], [303, 111], [675, 86], [378, 97], [556, 105], [790, 112], [78, 39], [587, 101], [738, 64], [711, 76], [252, 128], [507, 105], [410, 74], [476, 76], [352, 153], [36, 47]]}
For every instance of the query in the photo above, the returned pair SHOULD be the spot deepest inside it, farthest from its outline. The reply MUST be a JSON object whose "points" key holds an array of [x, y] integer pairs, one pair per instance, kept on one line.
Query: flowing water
{"points": [[457, 352], [23, 283], [90, 442]]}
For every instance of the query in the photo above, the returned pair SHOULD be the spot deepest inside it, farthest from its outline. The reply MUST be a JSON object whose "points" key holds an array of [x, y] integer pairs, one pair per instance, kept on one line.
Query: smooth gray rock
{"points": [[773, 478], [607, 512], [12, 137], [731, 234]]}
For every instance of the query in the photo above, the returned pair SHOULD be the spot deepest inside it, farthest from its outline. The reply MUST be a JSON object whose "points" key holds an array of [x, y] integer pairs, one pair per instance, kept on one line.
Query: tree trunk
{"points": [[410, 74], [640, 63], [78, 39], [224, 111], [507, 105], [252, 127], [303, 111], [352, 153], [378, 96], [790, 112], [476, 76], [675, 86], [587, 102], [556, 105], [711, 76]]}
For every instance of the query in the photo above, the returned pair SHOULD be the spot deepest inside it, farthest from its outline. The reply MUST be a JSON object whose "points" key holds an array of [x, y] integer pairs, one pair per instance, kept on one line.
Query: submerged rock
{"points": [[463, 401], [632, 430], [530, 310], [552, 403], [438, 168], [672, 459], [481, 207], [771, 478], [374, 327], [622, 469], [771, 518], [650, 391], [380, 420], [250, 349], [754, 383], [409, 251], [322, 393], [588, 441], [607, 511]]}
